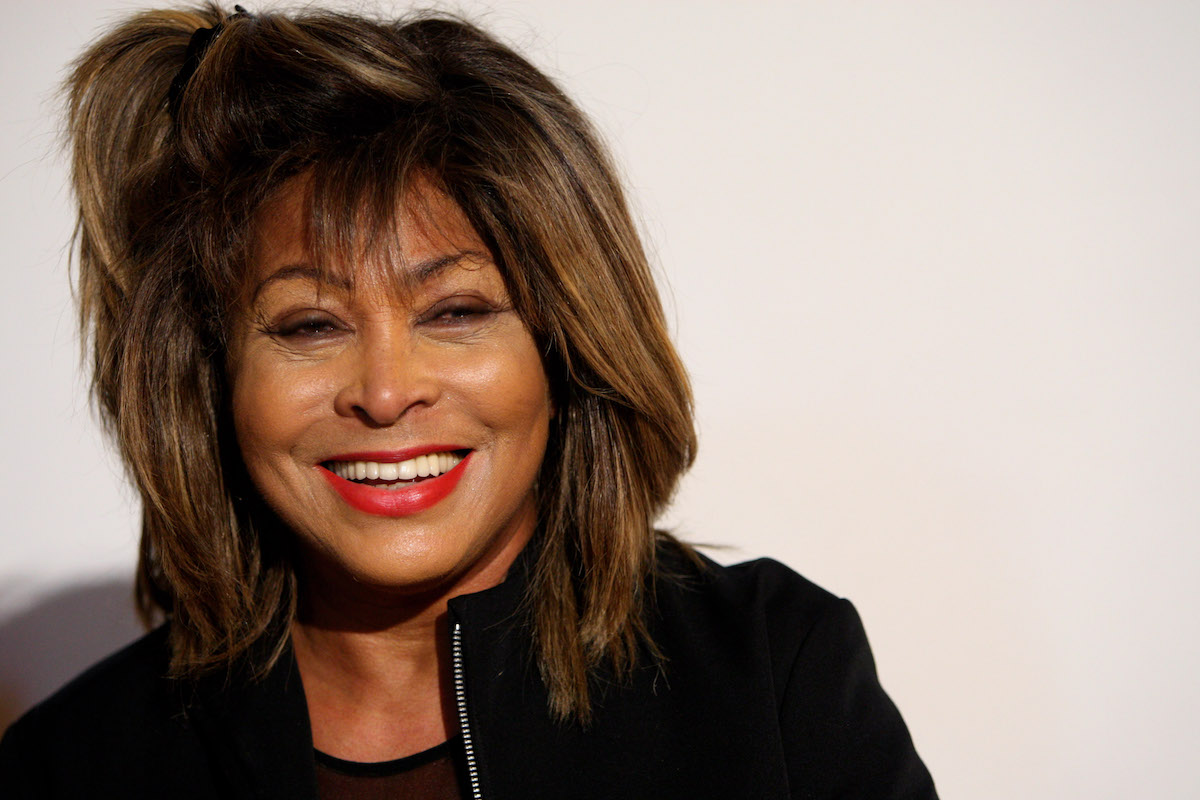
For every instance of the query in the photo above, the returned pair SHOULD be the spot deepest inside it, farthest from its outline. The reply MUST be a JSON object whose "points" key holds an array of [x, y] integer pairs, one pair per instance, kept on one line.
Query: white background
{"points": [[934, 268]]}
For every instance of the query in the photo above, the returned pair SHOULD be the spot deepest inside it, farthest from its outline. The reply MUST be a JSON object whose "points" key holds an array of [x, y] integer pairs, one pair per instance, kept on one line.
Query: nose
{"points": [[387, 377]]}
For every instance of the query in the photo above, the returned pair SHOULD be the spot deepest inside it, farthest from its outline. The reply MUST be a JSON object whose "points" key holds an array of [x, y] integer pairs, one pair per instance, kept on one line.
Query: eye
{"points": [[306, 326], [457, 312]]}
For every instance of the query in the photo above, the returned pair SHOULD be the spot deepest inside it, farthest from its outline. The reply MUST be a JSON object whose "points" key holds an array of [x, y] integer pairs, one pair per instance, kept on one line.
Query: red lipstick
{"points": [[400, 502]]}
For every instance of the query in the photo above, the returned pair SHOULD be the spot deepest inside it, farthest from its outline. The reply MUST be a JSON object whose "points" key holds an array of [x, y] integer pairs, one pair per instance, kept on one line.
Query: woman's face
{"points": [[397, 430]]}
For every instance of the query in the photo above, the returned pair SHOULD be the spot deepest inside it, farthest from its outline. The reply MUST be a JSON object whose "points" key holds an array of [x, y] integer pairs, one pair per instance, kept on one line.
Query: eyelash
{"points": [[452, 313], [457, 311], [307, 327]]}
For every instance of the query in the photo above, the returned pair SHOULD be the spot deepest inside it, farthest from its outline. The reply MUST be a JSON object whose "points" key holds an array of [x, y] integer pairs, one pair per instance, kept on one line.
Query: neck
{"points": [[376, 663], [375, 692]]}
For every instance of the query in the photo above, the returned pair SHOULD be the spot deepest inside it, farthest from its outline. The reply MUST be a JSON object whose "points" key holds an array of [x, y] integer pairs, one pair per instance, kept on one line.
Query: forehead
{"points": [[426, 233]]}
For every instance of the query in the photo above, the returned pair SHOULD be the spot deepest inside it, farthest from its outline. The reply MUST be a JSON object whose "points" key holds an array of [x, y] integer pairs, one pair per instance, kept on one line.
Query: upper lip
{"points": [[386, 456]]}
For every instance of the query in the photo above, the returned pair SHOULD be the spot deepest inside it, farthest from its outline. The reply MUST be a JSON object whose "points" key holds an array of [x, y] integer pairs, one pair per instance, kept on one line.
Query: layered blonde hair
{"points": [[179, 138]]}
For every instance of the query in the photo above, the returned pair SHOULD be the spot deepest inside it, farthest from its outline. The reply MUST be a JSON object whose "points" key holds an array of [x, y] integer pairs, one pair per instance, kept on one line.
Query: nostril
{"points": [[379, 403]]}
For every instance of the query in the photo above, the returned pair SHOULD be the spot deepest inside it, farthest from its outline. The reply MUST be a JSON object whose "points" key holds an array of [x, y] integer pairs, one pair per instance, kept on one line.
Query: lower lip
{"points": [[397, 502]]}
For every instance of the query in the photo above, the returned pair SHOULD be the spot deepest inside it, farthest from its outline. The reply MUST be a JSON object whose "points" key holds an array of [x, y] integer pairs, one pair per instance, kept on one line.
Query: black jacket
{"points": [[768, 691]]}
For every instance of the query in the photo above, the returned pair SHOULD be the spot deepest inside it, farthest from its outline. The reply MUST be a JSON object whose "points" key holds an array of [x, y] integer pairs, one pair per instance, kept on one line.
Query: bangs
{"points": [[357, 209], [355, 213]]}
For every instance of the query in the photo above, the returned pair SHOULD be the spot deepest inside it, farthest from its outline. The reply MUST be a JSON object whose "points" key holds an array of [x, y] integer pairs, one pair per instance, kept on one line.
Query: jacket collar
{"points": [[501, 603]]}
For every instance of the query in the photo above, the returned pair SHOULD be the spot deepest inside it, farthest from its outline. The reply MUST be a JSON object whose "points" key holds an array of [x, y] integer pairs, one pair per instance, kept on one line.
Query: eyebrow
{"points": [[419, 273]]}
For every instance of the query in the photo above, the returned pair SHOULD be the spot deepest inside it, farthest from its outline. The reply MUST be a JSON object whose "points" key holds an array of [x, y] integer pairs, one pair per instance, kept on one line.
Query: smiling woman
{"points": [[373, 330], [383, 374]]}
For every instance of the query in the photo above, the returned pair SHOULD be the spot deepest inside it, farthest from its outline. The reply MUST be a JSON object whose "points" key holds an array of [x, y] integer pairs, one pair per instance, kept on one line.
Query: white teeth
{"points": [[425, 466]]}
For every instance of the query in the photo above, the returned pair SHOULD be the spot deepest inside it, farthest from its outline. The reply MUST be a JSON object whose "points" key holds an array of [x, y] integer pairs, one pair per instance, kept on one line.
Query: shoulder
{"points": [[762, 592], [124, 700], [108, 687], [801, 618], [840, 733], [768, 585], [760, 607]]}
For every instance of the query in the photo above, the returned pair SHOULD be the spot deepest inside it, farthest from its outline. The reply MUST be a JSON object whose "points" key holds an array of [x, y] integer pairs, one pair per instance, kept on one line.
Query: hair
{"points": [[178, 139]]}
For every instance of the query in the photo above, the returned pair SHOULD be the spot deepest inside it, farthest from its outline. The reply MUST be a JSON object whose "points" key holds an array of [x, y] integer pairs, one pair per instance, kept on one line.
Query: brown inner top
{"points": [[433, 774]]}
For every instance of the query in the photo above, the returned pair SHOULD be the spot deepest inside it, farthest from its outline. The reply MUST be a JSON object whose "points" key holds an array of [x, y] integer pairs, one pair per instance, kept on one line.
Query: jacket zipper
{"points": [[460, 698]]}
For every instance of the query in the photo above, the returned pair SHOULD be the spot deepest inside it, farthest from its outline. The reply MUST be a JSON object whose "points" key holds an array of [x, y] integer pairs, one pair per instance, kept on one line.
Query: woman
{"points": [[374, 332]]}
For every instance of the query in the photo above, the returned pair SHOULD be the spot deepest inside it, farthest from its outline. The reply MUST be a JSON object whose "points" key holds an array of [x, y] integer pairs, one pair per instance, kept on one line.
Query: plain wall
{"points": [[933, 267]]}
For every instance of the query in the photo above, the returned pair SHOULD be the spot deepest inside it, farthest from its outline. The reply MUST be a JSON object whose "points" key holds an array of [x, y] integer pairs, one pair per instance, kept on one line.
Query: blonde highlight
{"points": [[361, 110]]}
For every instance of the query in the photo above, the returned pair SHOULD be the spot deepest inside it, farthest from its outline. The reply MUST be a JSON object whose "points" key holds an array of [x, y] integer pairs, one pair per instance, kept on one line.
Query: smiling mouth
{"points": [[396, 474]]}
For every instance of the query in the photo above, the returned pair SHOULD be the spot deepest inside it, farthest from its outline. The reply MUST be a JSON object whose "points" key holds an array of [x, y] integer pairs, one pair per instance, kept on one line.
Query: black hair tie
{"points": [[197, 47]]}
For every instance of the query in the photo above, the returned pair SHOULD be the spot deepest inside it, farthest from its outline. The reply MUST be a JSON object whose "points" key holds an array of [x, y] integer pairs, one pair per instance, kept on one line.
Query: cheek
{"points": [[271, 406], [510, 389]]}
